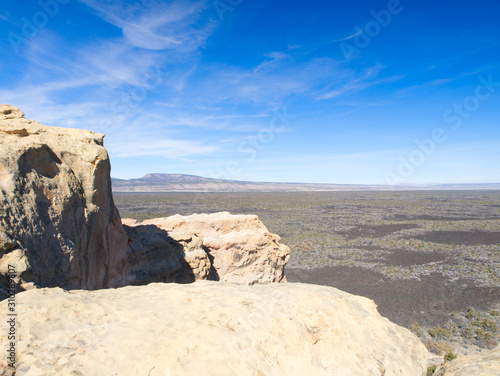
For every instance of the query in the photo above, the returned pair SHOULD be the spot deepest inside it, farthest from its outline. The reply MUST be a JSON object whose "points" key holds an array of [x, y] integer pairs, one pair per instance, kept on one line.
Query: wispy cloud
{"points": [[148, 146], [361, 82], [350, 36], [156, 25]]}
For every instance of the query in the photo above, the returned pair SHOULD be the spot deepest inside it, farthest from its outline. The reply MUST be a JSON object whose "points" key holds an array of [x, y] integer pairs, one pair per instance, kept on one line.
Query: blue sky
{"points": [[370, 92]]}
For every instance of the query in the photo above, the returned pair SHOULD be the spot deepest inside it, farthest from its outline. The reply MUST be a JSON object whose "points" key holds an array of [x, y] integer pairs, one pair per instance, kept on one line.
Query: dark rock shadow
{"points": [[213, 275], [154, 256]]}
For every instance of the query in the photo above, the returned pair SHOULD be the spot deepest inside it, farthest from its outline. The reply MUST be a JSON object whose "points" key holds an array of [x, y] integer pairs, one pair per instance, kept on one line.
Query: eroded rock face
{"points": [[485, 363], [239, 247], [209, 328], [154, 256], [58, 223]]}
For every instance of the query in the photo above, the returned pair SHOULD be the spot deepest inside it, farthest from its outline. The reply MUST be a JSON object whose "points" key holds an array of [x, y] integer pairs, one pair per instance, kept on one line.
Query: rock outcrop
{"points": [[58, 223], [485, 363], [239, 247], [209, 328]]}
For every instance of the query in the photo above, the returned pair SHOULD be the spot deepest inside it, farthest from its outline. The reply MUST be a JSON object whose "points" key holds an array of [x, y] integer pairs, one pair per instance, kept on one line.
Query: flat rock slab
{"points": [[208, 328]]}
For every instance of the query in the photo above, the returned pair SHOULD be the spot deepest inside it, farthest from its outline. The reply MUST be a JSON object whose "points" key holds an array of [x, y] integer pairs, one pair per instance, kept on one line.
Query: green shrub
{"points": [[471, 313], [489, 325], [439, 332], [482, 335], [452, 327], [449, 356], [431, 370], [494, 312], [469, 332]]}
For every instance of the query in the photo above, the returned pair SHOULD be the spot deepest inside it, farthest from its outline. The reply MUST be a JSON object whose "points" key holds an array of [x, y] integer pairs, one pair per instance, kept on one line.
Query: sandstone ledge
{"points": [[209, 328]]}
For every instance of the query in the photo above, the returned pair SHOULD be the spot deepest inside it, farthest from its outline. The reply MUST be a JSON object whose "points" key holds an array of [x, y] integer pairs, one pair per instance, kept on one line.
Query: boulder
{"points": [[485, 363], [58, 223], [240, 247], [208, 328]]}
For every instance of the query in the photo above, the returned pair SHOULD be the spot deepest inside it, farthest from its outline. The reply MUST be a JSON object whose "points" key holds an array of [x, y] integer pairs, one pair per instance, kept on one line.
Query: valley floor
{"points": [[430, 260]]}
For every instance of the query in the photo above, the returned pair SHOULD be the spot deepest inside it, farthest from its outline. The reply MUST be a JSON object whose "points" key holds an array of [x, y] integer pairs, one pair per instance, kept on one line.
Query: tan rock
{"points": [[241, 248], [196, 261], [485, 363], [58, 223], [208, 328], [9, 112]]}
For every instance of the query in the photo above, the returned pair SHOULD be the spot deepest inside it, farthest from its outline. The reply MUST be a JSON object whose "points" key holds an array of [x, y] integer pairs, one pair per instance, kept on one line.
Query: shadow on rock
{"points": [[154, 256]]}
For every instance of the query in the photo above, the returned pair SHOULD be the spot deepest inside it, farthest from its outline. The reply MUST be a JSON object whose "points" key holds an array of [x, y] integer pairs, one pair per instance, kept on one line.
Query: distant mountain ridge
{"points": [[193, 183]]}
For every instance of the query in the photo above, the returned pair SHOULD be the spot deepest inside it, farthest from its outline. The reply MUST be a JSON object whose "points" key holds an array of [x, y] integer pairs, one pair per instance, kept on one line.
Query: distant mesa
{"points": [[193, 183]]}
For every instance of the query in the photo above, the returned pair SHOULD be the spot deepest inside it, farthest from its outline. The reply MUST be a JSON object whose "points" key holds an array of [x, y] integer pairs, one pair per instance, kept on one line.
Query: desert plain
{"points": [[429, 259]]}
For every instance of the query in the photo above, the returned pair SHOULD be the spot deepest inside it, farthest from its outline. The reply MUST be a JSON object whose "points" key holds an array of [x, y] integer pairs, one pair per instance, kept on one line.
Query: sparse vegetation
{"points": [[360, 228], [402, 235], [436, 347], [449, 356], [471, 314], [431, 370], [439, 333], [416, 329]]}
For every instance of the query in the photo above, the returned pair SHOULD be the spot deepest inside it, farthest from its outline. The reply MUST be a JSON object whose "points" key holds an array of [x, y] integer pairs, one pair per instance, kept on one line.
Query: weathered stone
{"points": [[58, 223], [240, 247], [208, 328]]}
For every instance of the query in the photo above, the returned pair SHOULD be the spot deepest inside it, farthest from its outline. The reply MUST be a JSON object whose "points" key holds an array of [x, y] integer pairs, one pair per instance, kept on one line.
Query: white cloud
{"points": [[350, 36], [271, 82], [137, 145], [361, 82], [156, 25], [276, 55]]}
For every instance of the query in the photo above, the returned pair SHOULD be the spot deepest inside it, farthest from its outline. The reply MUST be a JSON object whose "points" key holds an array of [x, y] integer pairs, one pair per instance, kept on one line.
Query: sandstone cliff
{"points": [[210, 328], [58, 223]]}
